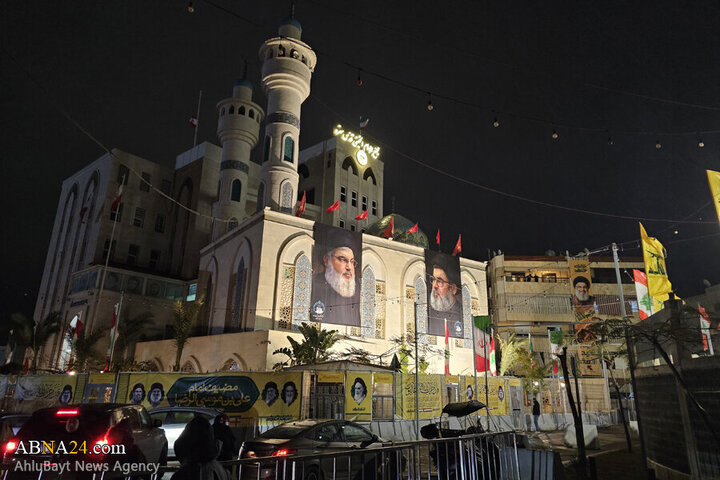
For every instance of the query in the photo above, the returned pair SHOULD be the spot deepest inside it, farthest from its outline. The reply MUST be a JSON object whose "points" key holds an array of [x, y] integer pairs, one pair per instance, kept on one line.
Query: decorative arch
{"points": [[369, 175], [367, 303], [301, 291], [241, 110], [232, 224], [287, 197], [191, 365], [349, 164], [155, 365], [236, 317], [235, 190], [237, 360], [288, 275], [422, 311], [288, 149], [85, 216], [211, 268], [372, 259]]}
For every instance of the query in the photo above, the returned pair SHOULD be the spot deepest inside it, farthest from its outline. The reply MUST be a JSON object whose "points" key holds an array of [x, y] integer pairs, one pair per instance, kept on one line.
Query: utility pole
{"points": [[417, 378]]}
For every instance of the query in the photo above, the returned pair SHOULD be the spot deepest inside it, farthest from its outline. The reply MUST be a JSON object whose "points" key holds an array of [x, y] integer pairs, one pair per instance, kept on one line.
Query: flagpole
{"points": [[475, 355], [107, 261], [487, 396], [71, 360], [197, 116], [117, 327], [417, 379]]}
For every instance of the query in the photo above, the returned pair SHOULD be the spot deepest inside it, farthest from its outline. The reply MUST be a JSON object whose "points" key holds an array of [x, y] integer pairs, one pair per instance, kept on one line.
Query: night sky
{"points": [[129, 73]]}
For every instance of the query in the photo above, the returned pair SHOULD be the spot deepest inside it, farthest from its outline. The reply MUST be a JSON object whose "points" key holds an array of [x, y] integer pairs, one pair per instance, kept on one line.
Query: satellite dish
{"points": [[550, 253], [706, 283]]}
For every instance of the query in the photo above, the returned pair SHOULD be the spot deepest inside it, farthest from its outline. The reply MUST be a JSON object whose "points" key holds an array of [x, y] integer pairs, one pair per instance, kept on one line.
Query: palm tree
{"points": [[511, 350], [130, 331], [315, 347], [186, 314], [44, 329], [85, 354]]}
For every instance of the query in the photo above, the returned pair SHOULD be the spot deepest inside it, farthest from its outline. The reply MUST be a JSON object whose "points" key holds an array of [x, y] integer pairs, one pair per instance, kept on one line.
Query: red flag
{"points": [[390, 230], [79, 328], [362, 216], [413, 229], [301, 208], [333, 207], [437, 237], [447, 349], [116, 202], [458, 246]]}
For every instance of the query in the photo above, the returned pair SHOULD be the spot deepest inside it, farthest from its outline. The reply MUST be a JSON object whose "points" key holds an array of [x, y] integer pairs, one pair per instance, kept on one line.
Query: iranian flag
{"points": [[484, 345], [705, 330], [645, 303], [113, 335]]}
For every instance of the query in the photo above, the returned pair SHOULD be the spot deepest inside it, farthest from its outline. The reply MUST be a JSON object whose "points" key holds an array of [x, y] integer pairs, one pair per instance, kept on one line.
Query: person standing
{"points": [[223, 432], [536, 413]]}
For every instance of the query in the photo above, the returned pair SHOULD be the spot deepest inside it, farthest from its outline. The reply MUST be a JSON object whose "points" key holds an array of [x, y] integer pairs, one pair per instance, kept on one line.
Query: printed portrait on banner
{"points": [[582, 299], [444, 294], [337, 272]]}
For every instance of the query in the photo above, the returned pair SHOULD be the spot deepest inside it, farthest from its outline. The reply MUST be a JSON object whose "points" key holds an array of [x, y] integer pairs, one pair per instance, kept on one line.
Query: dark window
{"points": [[116, 215], [145, 182], [369, 175], [355, 433], [364, 203], [266, 154], [105, 248], [236, 187], [251, 114], [288, 150], [231, 110], [352, 227], [165, 186], [374, 208], [232, 224], [353, 198], [123, 174], [160, 224], [154, 259], [139, 219], [241, 110], [343, 194], [342, 224], [349, 164], [132, 256]]}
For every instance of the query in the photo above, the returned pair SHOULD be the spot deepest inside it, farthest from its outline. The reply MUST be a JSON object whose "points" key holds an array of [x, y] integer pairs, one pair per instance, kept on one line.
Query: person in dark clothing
{"points": [[224, 433], [197, 451], [536, 413]]}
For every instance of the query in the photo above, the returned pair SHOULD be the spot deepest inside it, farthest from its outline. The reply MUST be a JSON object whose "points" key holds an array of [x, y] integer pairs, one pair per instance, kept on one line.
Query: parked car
{"points": [[315, 437], [81, 427], [174, 420], [14, 420]]}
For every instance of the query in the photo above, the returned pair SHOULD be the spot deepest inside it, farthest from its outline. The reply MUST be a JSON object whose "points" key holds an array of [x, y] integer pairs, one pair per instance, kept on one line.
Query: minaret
{"points": [[287, 67], [238, 127]]}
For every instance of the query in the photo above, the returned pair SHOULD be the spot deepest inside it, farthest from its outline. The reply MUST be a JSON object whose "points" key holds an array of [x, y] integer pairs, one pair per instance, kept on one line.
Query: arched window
{"points": [[367, 303], [241, 110], [287, 199], [266, 153], [232, 224], [238, 301], [467, 317], [349, 164], [370, 175], [235, 193], [231, 110], [301, 291], [289, 149], [251, 114], [422, 299], [261, 196], [222, 111], [281, 51]]}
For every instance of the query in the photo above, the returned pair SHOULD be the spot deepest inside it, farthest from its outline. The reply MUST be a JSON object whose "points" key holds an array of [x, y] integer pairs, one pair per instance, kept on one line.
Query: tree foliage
{"points": [[130, 331], [512, 349], [314, 347], [26, 333], [84, 352], [186, 314]]}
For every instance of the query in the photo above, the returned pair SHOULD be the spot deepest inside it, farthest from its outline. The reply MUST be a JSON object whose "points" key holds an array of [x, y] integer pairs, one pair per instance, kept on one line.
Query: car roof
{"points": [[208, 410], [90, 407]]}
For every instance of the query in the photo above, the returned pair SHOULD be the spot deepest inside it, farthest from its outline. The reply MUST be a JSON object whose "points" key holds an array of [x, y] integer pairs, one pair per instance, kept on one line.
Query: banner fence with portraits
{"points": [[337, 275]]}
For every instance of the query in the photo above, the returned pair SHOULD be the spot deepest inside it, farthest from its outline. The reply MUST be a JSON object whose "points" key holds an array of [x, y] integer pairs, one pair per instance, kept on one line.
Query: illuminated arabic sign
{"points": [[357, 141]]}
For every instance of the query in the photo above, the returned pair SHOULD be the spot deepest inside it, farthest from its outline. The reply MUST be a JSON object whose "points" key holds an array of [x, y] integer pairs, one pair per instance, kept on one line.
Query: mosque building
{"points": [[225, 229]]}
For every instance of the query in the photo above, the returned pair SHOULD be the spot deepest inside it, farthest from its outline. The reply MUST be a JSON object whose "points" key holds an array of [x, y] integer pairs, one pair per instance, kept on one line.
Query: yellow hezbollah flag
{"points": [[714, 181], [654, 255]]}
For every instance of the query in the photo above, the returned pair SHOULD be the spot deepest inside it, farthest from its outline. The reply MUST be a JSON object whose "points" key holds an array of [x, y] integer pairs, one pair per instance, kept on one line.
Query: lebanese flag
{"points": [[116, 202], [414, 229], [704, 314], [437, 237], [333, 207], [362, 216], [301, 208], [458, 246], [447, 349], [390, 230], [364, 122], [645, 303], [77, 325], [193, 121], [493, 365], [705, 330]]}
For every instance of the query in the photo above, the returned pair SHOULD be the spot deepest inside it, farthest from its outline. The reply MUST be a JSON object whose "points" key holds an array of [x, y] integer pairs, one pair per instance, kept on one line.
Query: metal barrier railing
{"points": [[486, 456]]}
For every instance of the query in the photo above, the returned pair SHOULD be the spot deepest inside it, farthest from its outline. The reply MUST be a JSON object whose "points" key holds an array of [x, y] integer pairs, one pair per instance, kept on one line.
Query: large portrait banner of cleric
{"points": [[444, 294], [337, 273]]}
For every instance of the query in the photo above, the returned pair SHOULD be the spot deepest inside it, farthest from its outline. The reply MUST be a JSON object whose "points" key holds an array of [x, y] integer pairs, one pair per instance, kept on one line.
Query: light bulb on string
{"points": [[658, 145], [190, 7], [495, 123], [611, 141], [555, 135], [359, 78], [430, 105], [701, 144]]}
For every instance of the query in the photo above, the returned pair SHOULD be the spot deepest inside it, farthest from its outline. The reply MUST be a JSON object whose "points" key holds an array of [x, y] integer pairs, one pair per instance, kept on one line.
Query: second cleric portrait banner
{"points": [[444, 294], [337, 272]]}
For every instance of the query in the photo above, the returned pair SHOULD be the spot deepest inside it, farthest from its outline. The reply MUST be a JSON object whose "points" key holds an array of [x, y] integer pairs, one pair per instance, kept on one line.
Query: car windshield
{"points": [[283, 431], [47, 425]]}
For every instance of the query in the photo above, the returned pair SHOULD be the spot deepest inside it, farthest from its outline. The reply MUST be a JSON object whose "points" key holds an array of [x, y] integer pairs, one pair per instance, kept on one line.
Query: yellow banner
{"points": [[331, 377], [498, 397], [39, 391], [451, 379], [358, 399], [714, 181], [431, 387], [654, 255], [247, 395], [383, 378], [588, 364]]}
